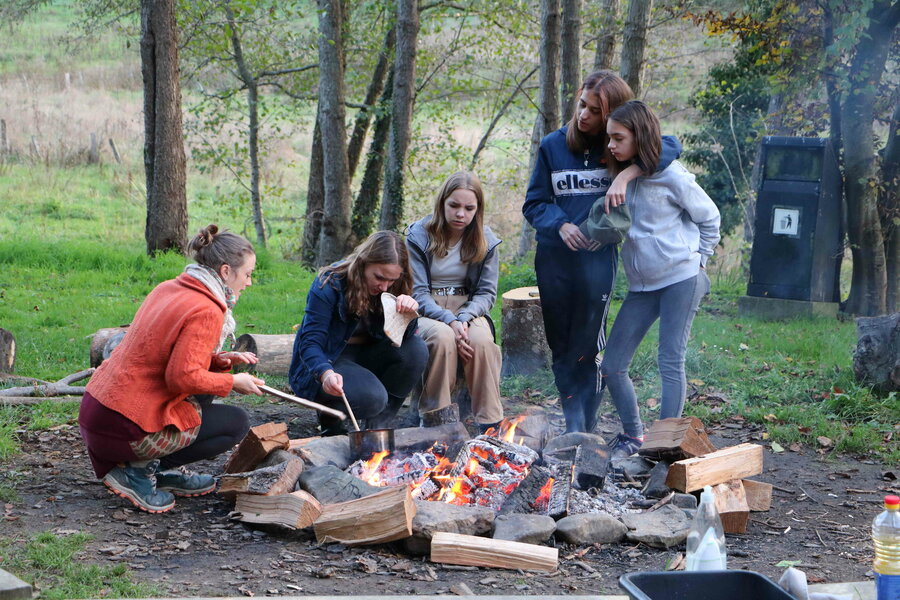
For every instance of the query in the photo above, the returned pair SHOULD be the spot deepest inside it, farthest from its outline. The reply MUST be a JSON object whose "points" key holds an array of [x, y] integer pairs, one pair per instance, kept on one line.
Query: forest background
{"points": [[721, 74]]}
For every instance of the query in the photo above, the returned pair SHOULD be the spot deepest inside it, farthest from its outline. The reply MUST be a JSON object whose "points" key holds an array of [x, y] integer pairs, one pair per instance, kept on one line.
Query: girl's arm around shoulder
{"points": [[669, 152]]}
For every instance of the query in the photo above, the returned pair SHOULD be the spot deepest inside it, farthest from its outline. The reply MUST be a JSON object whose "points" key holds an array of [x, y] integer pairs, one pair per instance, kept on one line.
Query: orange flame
{"points": [[543, 499], [509, 430], [370, 469]]}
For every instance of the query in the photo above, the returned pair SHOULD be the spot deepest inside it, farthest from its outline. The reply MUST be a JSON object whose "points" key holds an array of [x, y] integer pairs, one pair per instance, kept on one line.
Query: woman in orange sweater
{"points": [[148, 408]]}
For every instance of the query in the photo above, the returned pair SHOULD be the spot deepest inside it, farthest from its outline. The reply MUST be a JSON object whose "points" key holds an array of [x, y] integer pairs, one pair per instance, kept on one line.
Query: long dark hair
{"points": [[612, 91], [380, 248], [643, 123], [474, 246]]}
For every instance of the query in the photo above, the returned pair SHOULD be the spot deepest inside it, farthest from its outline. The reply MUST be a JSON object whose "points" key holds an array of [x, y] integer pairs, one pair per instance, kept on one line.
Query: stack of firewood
{"points": [[695, 462]]}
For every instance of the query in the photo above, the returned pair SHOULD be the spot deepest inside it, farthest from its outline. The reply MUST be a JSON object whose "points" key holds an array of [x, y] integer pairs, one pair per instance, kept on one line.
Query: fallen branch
{"points": [[59, 388]]}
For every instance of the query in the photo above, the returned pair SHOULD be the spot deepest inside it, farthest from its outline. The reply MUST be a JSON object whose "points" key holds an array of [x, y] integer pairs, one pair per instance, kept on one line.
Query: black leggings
{"points": [[222, 427]]}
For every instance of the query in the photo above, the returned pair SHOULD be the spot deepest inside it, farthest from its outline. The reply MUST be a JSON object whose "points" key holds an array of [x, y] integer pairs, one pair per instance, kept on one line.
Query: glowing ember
{"points": [[484, 472], [543, 500]]}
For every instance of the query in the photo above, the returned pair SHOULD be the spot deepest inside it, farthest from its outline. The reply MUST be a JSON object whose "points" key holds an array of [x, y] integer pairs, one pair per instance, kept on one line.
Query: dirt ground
{"points": [[821, 514]]}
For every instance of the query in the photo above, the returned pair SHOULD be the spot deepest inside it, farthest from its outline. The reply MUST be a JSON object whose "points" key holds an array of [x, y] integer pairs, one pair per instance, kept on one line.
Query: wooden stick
{"points": [[305, 402], [349, 410], [454, 548]]}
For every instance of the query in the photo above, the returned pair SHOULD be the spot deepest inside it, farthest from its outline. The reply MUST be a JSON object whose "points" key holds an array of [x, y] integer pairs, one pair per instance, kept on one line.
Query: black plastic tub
{"points": [[701, 585]]}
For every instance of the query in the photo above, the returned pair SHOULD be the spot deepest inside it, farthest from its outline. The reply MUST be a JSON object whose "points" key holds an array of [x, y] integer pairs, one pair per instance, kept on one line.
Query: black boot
{"points": [[387, 418], [484, 427], [573, 410], [592, 403]]}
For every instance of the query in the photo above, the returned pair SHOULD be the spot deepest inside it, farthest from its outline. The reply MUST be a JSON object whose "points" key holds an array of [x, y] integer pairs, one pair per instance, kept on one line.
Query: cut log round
{"points": [[525, 349], [99, 349], [876, 361], [7, 351], [273, 351]]}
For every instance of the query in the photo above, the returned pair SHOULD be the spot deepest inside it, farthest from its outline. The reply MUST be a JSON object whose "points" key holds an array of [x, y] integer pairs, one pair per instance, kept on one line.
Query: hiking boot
{"points": [[182, 482], [623, 446], [138, 485]]}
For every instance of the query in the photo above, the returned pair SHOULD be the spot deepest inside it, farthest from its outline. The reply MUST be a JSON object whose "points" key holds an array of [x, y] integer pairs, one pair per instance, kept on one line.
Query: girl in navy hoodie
{"points": [[674, 231], [575, 276]]}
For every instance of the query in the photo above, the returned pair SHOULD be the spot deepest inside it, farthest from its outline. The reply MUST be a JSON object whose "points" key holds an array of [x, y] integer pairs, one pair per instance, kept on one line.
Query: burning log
{"points": [[267, 481], [294, 511], [382, 517], [734, 462], [524, 498], [759, 495], [256, 445], [591, 466], [273, 351], [456, 549], [676, 439], [561, 492], [731, 502]]}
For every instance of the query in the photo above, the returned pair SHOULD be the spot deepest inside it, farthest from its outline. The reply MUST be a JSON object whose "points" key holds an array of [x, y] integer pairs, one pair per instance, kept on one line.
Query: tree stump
{"points": [[273, 351], [7, 351], [525, 349], [876, 361]]}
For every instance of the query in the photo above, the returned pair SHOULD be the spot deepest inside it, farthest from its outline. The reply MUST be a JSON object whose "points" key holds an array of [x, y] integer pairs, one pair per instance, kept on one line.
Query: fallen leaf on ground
{"points": [[776, 447]]}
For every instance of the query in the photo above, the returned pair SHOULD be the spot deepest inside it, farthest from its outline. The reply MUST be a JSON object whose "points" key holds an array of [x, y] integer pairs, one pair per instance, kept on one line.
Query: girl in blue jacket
{"points": [[674, 231], [341, 346], [574, 275]]}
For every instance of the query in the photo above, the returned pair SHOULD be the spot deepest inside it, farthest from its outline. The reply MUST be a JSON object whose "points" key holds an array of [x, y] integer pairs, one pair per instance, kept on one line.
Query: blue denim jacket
{"points": [[327, 325]]}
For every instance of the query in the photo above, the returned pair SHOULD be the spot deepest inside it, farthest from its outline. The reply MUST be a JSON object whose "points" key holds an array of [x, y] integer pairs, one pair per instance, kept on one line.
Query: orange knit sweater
{"points": [[165, 356]]}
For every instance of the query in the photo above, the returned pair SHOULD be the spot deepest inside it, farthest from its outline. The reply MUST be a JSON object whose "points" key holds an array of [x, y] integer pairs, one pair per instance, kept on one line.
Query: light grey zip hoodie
{"points": [[674, 229]]}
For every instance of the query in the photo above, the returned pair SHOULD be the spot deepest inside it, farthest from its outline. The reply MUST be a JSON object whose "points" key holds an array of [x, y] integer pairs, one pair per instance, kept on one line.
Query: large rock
{"points": [[876, 361], [570, 440], [591, 528], [663, 528], [449, 518], [529, 529], [331, 485], [332, 450], [636, 467]]}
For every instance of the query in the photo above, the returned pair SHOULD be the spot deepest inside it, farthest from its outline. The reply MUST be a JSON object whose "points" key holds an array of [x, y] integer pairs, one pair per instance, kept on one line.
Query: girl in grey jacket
{"points": [[674, 231], [455, 268]]}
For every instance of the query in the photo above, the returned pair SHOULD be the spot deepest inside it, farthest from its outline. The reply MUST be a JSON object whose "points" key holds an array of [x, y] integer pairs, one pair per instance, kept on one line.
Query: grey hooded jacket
{"points": [[481, 278]]}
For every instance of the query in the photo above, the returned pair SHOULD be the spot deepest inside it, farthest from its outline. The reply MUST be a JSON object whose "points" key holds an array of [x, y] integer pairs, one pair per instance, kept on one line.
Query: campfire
{"points": [[485, 471]]}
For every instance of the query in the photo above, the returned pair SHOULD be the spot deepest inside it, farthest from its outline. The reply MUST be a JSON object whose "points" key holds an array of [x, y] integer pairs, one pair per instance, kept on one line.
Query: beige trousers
{"points": [[482, 372]]}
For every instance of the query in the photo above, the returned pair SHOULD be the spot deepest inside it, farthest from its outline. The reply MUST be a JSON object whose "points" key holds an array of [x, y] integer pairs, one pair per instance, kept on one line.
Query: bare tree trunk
{"points": [[402, 99], [365, 208], [250, 83], [335, 235], [547, 119], [633, 43], [868, 290], [315, 201], [571, 57], [606, 42], [164, 160], [364, 117], [890, 210]]}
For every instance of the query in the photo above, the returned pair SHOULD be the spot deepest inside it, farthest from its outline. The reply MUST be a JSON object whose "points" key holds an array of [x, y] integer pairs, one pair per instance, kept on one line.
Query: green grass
{"points": [[51, 564]]}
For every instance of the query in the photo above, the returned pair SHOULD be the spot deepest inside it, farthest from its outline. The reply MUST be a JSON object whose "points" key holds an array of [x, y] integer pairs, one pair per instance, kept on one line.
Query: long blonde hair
{"points": [[474, 245], [612, 91], [380, 248]]}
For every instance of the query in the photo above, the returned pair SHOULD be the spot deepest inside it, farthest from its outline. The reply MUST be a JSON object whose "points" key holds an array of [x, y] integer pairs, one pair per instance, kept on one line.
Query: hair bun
{"points": [[206, 235]]}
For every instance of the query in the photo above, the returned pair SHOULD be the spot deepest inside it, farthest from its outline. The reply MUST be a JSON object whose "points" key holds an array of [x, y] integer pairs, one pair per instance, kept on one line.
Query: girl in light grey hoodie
{"points": [[674, 231]]}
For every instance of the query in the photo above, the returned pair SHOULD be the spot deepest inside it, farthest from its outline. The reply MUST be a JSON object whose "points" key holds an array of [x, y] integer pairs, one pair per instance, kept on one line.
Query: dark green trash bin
{"points": [[701, 585]]}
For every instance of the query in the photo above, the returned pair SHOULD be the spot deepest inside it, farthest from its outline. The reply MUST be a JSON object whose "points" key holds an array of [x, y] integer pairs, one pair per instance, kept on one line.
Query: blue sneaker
{"points": [[182, 482], [138, 485], [623, 446]]}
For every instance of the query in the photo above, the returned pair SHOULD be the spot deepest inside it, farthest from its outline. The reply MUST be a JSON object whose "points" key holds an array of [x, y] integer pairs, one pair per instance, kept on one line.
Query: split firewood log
{"points": [[104, 341], [7, 351]]}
